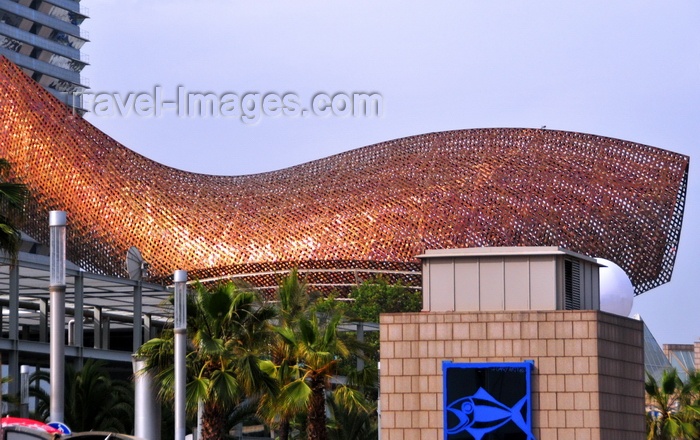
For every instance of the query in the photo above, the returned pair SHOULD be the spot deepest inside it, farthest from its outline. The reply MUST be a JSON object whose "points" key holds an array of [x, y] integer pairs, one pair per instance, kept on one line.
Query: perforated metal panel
{"points": [[374, 208]]}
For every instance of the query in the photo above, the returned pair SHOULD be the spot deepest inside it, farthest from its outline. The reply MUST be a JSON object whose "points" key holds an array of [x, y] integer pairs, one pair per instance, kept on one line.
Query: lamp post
{"points": [[57, 295], [180, 281]]}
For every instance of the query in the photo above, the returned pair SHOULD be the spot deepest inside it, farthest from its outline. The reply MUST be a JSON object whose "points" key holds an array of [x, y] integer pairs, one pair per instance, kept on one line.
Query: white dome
{"points": [[616, 290]]}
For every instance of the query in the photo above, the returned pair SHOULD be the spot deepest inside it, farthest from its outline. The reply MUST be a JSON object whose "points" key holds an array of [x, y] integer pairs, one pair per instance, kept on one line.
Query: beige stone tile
{"points": [[563, 330], [395, 332], [477, 330], [403, 349], [521, 348], [431, 433], [460, 330], [494, 330], [443, 331], [428, 367], [395, 404], [386, 318], [469, 317], [394, 367], [419, 384], [574, 383], [403, 419], [572, 316], [410, 332], [565, 365], [580, 330], [528, 330], [388, 419], [557, 419], [387, 384], [574, 419], [428, 402], [555, 347], [487, 348], [548, 401], [411, 367], [411, 402], [436, 349], [435, 418], [426, 332], [567, 433], [436, 317], [591, 419], [546, 365], [386, 350], [545, 434], [453, 349], [565, 401], [511, 330], [582, 401], [504, 348], [456, 317], [572, 348], [402, 384], [581, 365], [435, 384], [546, 330], [470, 348], [538, 347], [420, 419], [556, 383]]}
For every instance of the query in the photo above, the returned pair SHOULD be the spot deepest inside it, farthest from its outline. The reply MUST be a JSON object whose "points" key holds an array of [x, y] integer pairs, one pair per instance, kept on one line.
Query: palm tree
{"points": [[227, 330], [293, 302], [672, 412], [94, 402], [12, 198], [319, 350]]}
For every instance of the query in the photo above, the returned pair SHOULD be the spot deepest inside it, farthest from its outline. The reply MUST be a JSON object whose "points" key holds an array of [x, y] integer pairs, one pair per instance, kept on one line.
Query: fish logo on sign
{"points": [[481, 414]]}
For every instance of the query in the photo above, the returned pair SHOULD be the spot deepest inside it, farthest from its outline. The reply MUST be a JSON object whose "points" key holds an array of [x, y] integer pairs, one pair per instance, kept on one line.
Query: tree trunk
{"points": [[213, 422], [316, 428], [284, 429]]}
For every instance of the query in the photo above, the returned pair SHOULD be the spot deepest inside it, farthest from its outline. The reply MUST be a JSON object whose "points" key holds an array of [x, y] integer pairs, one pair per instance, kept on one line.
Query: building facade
{"points": [[44, 39]]}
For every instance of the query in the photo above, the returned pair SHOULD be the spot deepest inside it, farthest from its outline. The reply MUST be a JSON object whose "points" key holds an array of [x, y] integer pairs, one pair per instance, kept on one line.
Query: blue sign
{"points": [[61, 427], [487, 401]]}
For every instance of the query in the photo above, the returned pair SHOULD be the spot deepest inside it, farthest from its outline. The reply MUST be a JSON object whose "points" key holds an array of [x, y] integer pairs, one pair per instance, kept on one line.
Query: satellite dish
{"points": [[135, 264]]}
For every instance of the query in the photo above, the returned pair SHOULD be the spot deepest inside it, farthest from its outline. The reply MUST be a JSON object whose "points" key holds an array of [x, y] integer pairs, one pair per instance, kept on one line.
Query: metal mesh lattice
{"points": [[371, 208]]}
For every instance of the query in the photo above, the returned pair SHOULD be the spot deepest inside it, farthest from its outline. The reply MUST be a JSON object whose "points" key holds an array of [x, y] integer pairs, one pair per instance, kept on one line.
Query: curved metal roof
{"points": [[374, 208]]}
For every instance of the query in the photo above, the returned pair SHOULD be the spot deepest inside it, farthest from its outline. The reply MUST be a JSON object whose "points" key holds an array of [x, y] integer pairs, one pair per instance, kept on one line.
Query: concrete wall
{"points": [[587, 381]]}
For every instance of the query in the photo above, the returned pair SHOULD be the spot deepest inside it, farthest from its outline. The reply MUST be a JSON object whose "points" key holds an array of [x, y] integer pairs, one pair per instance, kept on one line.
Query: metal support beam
{"points": [[138, 327], [147, 327], [78, 339], [105, 332], [43, 320], [97, 318]]}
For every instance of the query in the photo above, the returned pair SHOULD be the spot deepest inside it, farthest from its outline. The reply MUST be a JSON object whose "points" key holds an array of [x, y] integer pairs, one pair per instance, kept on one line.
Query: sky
{"points": [[623, 69]]}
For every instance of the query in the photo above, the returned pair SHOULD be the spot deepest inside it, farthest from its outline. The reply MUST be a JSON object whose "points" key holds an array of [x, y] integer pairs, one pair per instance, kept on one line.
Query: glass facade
{"points": [[655, 361], [44, 38]]}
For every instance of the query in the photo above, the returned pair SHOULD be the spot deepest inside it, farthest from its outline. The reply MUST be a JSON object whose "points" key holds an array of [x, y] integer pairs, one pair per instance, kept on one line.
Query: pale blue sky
{"points": [[624, 69]]}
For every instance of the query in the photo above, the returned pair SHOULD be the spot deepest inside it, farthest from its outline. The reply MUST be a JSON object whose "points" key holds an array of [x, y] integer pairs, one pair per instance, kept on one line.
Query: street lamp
{"points": [[57, 297], [180, 281]]}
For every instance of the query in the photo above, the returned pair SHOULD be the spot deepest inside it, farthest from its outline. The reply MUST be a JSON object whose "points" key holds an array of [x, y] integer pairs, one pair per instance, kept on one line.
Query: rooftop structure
{"points": [[44, 38], [345, 217]]}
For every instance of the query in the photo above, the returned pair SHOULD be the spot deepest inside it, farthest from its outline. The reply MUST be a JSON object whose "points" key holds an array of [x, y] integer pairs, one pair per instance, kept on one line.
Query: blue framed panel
{"points": [[487, 401]]}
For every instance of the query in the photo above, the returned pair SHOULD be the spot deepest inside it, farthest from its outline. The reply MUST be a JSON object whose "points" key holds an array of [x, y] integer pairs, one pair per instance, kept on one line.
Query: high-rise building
{"points": [[44, 38]]}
